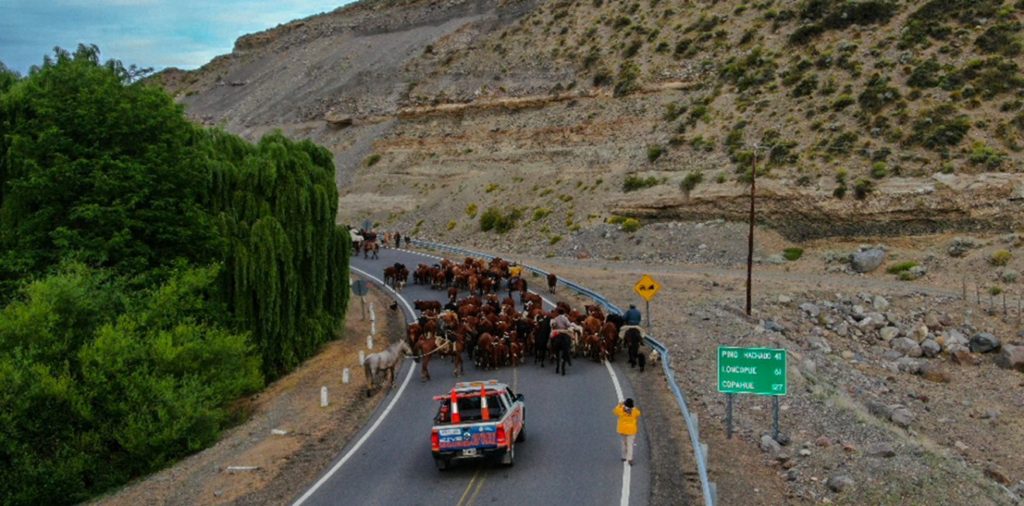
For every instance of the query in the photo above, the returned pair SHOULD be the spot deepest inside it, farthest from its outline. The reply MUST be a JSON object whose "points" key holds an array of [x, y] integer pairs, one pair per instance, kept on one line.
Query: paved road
{"points": [[570, 456]]}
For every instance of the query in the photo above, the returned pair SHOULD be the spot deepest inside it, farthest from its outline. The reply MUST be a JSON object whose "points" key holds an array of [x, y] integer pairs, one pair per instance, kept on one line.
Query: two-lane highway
{"points": [[570, 455]]}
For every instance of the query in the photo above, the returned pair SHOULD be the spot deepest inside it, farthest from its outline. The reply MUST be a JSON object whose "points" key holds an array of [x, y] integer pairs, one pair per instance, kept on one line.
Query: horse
{"points": [[634, 339], [552, 281], [541, 335], [561, 350], [384, 361], [370, 247], [442, 346]]}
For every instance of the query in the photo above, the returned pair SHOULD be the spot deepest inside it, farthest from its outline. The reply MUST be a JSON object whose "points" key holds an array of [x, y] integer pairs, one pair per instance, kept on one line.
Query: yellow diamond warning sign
{"points": [[647, 287]]}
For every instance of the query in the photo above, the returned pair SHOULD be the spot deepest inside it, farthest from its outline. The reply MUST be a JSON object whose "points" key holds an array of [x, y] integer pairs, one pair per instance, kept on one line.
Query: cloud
{"points": [[147, 33]]}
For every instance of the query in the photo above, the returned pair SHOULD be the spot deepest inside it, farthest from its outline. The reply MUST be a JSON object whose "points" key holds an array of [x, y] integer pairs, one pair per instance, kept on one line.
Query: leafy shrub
{"points": [[792, 254], [940, 127], [1000, 258], [690, 181], [840, 190], [749, 71], [989, 157], [862, 188], [879, 170], [491, 187], [877, 94], [1001, 38], [554, 239], [630, 225], [371, 160], [654, 152], [626, 82], [616, 220], [901, 267], [925, 75], [451, 224], [634, 182], [471, 210], [831, 15], [988, 78], [842, 102], [493, 219], [540, 213]]}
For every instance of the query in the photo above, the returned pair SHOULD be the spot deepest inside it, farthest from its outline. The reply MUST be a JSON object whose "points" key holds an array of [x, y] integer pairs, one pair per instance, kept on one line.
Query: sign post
{"points": [[359, 288], [647, 288], [758, 371]]}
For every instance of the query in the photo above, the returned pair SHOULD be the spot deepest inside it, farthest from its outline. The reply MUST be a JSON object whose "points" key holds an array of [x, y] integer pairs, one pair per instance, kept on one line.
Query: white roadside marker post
{"points": [[323, 397], [344, 376]]}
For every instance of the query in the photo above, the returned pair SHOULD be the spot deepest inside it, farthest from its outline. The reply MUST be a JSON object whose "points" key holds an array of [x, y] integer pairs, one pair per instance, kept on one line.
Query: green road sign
{"points": [[760, 371]]}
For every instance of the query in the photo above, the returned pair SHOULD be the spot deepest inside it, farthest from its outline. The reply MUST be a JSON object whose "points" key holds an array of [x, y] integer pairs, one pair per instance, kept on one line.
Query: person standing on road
{"points": [[398, 240], [629, 417]]}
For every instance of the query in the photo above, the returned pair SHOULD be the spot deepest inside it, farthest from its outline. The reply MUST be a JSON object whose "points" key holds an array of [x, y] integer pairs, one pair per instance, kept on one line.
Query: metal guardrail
{"points": [[700, 449]]}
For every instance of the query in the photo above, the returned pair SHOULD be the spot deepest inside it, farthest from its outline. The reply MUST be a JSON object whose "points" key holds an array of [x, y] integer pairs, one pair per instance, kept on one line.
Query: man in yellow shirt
{"points": [[629, 417]]}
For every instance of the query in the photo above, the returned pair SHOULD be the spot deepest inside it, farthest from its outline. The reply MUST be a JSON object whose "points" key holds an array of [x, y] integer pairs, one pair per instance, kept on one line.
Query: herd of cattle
{"points": [[486, 325]]}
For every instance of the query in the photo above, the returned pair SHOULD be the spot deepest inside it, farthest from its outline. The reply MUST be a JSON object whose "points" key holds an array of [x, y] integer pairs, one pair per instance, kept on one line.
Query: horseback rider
{"points": [[632, 316]]}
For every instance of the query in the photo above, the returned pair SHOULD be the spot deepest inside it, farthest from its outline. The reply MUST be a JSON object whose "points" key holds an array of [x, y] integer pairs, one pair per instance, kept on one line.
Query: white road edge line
{"points": [[626, 468], [394, 400]]}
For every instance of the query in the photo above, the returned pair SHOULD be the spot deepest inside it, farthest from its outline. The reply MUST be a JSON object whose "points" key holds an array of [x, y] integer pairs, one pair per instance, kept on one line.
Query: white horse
{"points": [[382, 361]]}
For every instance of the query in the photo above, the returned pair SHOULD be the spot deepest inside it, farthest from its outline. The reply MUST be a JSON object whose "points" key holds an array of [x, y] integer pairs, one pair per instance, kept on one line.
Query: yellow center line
{"points": [[468, 487], [479, 485]]}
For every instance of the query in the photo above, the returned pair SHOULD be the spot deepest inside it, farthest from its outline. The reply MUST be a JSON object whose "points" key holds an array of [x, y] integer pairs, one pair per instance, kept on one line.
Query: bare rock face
{"points": [[338, 120], [867, 260]]}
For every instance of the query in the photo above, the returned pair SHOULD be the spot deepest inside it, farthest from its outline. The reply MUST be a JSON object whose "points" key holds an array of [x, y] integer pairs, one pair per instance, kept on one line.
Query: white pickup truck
{"points": [[478, 419]]}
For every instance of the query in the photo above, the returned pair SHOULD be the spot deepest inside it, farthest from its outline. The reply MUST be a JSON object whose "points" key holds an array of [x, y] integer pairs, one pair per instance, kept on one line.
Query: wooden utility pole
{"points": [[750, 236]]}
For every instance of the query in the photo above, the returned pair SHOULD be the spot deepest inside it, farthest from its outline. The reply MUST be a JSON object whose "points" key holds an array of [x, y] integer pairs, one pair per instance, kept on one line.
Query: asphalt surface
{"points": [[571, 453]]}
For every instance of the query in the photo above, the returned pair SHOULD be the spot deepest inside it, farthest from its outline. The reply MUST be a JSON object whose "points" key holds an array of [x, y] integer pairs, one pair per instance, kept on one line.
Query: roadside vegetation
{"points": [[152, 273]]}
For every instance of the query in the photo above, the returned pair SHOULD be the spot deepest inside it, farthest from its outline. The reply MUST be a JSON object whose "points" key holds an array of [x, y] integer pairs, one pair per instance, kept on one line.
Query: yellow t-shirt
{"points": [[627, 425], [515, 272]]}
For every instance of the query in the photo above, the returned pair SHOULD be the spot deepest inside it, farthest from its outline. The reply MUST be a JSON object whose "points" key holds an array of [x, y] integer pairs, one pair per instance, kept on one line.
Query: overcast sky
{"points": [[147, 33]]}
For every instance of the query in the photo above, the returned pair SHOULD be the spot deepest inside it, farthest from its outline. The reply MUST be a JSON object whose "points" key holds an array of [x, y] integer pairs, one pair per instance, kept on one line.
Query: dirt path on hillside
{"points": [[282, 464]]}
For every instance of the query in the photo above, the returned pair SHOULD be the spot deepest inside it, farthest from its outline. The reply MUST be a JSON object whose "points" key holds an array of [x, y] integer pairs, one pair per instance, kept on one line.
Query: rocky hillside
{"points": [[863, 117]]}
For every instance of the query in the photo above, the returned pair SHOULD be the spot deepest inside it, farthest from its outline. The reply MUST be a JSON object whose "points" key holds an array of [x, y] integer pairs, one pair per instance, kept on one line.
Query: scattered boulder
{"points": [[889, 333], [867, 260], [823, 441], [930, 348], [908, 365], [906, 346], [839, 482], [773, 326], [1011, 357], [770, 446], [880, 303], [964, 357], [880, 450], [960, 246], [931, 320], [934, 373], [879, 410], [919, 333], [984, 342], [902, 417], [785, 299], [812, 310]]}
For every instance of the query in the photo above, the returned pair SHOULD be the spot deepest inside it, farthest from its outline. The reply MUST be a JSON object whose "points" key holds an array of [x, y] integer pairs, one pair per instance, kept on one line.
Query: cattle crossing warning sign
{"points": [[647, 287]]}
